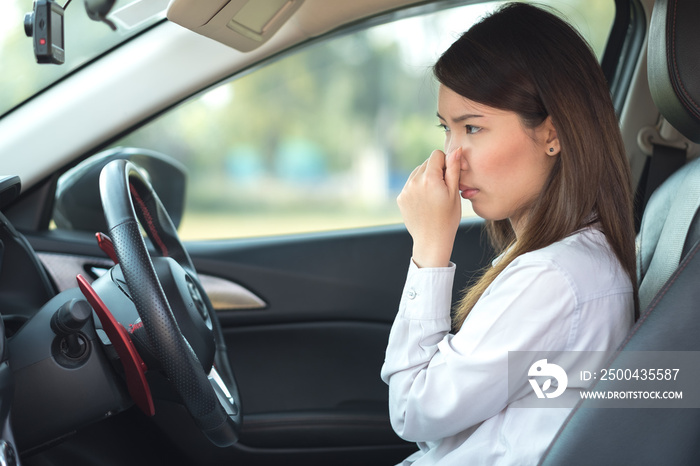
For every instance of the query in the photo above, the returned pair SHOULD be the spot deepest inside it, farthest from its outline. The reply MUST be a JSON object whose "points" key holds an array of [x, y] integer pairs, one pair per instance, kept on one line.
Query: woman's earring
{"points": [[551, 149]]}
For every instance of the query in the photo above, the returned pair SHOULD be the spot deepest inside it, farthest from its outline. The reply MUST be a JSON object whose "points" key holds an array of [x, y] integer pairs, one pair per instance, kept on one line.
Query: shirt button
{"points": [[411, 294]]}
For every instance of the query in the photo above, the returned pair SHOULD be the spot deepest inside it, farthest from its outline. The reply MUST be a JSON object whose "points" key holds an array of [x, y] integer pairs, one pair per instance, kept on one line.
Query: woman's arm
{"points": [[442, 384]]}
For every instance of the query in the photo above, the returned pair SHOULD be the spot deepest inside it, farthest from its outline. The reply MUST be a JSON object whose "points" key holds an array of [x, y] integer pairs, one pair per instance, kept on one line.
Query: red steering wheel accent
{"points": [[105, 243], [134, 367]]}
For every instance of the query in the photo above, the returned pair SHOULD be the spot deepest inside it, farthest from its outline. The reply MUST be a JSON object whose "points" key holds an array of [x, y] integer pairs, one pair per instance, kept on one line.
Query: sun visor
{"points": [[242, 24]]}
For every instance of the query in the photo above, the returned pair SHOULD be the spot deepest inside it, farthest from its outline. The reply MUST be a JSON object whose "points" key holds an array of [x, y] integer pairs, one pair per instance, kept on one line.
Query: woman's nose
{"points": [[463, 158]]}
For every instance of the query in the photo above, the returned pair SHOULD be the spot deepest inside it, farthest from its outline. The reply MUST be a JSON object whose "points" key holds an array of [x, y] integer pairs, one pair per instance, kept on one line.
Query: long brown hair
{"points": [[526, 60]]}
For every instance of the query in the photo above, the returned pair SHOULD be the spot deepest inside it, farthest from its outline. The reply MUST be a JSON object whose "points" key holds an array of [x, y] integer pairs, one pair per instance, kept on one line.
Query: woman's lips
{"points": [[467, 192]]}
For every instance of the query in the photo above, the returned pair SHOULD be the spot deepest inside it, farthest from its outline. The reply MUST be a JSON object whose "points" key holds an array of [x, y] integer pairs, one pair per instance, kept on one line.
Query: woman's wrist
{"points": [[431, 259]]}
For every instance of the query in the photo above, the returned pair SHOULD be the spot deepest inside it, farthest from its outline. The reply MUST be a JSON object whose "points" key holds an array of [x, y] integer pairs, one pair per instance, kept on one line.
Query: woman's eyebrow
{"points": [[460, 118]]}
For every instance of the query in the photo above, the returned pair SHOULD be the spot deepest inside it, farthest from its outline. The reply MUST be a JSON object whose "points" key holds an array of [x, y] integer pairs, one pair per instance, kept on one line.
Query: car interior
{"points": [[127, 341]]}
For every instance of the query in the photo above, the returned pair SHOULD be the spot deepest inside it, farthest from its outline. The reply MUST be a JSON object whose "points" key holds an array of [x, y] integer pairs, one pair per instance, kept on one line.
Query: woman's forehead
{"points": [[454, 106]]}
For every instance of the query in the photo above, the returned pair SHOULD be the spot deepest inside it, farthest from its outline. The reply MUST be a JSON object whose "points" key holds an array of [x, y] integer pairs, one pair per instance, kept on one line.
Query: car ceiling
{"points": [[169, 63]]}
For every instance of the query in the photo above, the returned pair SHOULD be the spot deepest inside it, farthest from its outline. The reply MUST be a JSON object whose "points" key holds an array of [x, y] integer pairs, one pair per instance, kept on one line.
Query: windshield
{"points": [[20, 75]]}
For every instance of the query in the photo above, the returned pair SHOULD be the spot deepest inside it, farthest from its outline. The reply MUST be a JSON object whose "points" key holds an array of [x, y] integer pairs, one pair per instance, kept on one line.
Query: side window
{"points": [[325, 138]]}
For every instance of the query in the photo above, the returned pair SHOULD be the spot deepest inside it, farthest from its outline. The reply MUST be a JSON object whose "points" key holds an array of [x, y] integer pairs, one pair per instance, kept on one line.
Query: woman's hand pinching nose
{"points": [[431, 208]]}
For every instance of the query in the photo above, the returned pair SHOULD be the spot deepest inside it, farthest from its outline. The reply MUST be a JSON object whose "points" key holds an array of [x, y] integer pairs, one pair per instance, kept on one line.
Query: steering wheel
{"points": [[214, 404]]}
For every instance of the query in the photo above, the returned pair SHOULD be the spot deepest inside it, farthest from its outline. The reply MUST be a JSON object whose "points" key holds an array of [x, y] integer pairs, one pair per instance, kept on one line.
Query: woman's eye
{"points": [[472, 129], [444, 127]]}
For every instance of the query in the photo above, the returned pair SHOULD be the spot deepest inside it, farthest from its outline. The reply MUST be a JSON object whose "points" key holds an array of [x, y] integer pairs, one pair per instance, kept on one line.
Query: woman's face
{"points": [[504, 166]]}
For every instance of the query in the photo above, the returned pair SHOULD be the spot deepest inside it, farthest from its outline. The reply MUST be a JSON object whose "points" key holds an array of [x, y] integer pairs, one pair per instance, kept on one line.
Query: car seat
{"points": [[669, 273]]}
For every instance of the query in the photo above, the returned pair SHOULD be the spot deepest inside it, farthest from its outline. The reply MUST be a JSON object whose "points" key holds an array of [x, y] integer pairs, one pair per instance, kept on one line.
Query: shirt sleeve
{"points": [[442, 384]]}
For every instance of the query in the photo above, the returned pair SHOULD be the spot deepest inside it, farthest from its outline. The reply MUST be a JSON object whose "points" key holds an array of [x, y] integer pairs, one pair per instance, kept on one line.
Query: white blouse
{"points": [[449, 392]]}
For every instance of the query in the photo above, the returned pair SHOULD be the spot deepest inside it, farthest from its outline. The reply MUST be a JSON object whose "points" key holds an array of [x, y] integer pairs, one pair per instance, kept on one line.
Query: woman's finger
{"points": [[452, 170], [417, 171], [436, 164]]}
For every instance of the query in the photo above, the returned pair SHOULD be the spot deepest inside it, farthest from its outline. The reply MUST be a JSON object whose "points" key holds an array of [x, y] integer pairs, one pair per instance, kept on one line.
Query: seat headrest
{"points": [[674, 63]]}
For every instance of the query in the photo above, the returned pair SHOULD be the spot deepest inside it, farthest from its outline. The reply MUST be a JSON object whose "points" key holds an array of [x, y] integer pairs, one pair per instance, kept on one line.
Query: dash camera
{"points": [[45, 24]]}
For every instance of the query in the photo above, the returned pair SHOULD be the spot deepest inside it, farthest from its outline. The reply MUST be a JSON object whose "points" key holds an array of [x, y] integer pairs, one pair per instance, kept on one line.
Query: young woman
{"points": [[532, 140]]}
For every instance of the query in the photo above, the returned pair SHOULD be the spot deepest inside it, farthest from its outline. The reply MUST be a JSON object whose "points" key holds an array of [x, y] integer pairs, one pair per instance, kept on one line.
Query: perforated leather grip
{"points": [[179, 362]]}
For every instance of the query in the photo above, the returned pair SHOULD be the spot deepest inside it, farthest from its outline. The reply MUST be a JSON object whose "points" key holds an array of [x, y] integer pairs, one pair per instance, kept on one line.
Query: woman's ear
{"points": [[549, 137]]}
